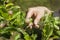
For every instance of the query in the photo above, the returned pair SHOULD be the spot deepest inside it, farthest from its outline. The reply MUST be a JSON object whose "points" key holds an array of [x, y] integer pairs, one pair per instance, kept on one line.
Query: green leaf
{"points": [[15, 15], [58, 32], [9, 4], [34, 36], [56, 27], [26, 35], [17, 37]]}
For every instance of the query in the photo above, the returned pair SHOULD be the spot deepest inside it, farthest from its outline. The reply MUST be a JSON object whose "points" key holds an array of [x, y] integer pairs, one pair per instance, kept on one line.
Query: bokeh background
{"points": [[52, 4]]}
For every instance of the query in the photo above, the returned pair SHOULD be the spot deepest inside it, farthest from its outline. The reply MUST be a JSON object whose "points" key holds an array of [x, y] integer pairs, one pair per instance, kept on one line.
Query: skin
{"points": [[38, 13]]}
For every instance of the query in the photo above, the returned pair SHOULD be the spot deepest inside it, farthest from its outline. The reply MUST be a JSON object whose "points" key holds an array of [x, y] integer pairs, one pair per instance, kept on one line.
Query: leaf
{"points": [[17, 37], [48, 27], [56, 27], [15, 15], [1, 17], [58, 32], [55, 37], [6, 29], [9, 4], [34, 36], [26, 35]]}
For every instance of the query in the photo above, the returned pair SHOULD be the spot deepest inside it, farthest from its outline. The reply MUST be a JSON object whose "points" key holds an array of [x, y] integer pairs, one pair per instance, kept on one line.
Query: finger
{"points": [[37, 19], [29, 15], [48, 11]]}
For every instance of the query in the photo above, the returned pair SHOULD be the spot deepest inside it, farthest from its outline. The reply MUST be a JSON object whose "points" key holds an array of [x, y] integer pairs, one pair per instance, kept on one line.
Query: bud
{"points": [[10, 12], [2, 25]]}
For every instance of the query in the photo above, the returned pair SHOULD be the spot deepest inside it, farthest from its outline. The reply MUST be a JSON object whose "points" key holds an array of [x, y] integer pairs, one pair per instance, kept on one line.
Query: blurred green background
{"points": [[52, 4]]}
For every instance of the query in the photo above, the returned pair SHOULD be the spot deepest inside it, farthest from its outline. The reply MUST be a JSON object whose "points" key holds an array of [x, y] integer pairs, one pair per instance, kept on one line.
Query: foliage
{"points": [[51, 26], [13, 26]]}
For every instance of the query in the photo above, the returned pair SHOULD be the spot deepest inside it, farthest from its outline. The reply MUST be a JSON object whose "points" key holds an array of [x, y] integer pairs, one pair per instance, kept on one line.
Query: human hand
{"points": [[38, 13]]}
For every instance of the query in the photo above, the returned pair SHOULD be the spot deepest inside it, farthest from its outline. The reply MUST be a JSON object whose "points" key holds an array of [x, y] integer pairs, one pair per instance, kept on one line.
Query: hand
{"points": [[38, 12]]}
